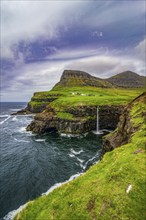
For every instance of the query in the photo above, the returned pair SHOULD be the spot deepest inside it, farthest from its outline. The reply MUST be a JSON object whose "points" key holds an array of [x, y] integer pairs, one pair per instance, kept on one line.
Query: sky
{"points": [[40, 39]]}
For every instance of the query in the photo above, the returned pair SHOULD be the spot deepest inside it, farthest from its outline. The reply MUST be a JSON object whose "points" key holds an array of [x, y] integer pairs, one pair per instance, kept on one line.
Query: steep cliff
{"points": [[126, 128], [77, 120]]}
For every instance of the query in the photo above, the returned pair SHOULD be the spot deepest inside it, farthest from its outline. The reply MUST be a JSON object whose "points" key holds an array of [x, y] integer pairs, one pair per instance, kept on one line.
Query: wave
{"points": [[68, 135], [90, 160], [71, 155], [21, 140], [15, 109], [60, 184], [73, 135], [4, 116], [28, 115], [76, 152], [14, 118], [40, 140], [22, 130], [80, 160], [2, 122], [11, 215]]}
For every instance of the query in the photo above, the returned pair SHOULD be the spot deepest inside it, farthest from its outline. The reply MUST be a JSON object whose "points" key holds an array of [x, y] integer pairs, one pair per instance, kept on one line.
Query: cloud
{"points": [[23, 81], [112, 12], [31, 20], [67, 22], [140, 50]]}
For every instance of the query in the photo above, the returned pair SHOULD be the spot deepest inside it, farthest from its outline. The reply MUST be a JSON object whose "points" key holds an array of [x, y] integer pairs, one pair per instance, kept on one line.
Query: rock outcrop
{"points": [[84, 120], [125, 128]]}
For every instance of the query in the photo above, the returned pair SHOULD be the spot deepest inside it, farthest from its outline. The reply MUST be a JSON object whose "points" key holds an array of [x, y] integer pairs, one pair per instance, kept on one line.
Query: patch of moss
{"points": [[65, 115]]}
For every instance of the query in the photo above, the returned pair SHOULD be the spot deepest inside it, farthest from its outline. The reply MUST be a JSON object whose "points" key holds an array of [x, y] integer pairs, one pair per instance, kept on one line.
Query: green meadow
{"points": [[79, 96]]}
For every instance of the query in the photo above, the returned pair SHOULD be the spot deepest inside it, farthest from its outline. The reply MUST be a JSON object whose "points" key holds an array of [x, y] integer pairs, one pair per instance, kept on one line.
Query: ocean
{"points": [[32, 164]]}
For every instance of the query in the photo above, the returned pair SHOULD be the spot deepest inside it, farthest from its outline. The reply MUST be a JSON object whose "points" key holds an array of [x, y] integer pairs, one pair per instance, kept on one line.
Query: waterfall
{"points": [[97, 122]]}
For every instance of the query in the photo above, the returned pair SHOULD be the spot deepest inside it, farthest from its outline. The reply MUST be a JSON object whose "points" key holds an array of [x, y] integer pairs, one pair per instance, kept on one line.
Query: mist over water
{"points": [[31, 164]]}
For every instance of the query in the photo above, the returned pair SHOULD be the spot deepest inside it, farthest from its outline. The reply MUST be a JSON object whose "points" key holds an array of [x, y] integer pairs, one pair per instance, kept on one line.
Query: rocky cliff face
{"points": [[125, 128], [84, 120]]}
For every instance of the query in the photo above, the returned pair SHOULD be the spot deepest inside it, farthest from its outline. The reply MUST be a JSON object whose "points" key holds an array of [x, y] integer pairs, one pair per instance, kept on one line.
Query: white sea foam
{"points": [[68, 135], [15, 109], [22, 130], [101, 131], [73, 135], [25, 141], [28, 115], [3, 116], [11, 215], [40, 140], [91, 159], [60, 184], [76, 152], [71, 155], [80, 160], [2, 122], [14, 118], [98, 132]]}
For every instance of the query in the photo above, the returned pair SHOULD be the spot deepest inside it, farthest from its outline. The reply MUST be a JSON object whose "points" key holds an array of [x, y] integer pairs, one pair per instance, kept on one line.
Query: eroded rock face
{"points": [[84, 120], [36, 108], [124, 130]]}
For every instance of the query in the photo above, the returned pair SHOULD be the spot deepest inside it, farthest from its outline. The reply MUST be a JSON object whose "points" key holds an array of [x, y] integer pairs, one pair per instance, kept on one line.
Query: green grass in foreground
{"points": [[100, 193]]}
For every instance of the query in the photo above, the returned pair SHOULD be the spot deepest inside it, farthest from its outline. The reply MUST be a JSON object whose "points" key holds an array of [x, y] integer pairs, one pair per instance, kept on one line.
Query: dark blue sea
{"points": [[31, 164]]}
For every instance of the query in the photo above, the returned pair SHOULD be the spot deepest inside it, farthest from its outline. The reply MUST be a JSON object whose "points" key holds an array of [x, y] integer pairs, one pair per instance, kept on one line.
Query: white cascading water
{"points": [[97, 124]]}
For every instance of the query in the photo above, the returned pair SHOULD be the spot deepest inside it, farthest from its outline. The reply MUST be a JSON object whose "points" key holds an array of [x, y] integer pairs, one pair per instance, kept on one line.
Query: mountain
{"points": [[127, 79], [71, 78]]}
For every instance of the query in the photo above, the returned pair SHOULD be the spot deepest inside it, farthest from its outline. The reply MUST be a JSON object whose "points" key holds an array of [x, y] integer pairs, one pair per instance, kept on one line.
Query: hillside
{"points": [[72, 78], [127, 79], [112, 189], [80, 88]]}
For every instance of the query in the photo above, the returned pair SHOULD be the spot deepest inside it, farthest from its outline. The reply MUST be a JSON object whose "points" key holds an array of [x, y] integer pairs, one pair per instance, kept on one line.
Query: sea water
{"points": [[31, 165]]}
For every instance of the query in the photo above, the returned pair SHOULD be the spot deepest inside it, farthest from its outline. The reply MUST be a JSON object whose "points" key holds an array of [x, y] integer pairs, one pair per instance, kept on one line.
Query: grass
{"points": [[93, 96], [100, 193], [81, 96], [65, 115]]}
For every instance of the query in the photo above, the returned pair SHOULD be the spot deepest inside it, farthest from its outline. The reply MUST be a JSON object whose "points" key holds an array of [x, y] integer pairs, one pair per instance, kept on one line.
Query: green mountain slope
{"points": [[112, 189], [128, 79], [72, 78]]}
